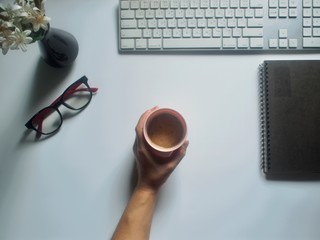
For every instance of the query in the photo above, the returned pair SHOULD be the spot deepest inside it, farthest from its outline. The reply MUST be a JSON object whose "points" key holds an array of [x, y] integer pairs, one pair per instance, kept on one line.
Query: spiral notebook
{"points": [[290, 117]]}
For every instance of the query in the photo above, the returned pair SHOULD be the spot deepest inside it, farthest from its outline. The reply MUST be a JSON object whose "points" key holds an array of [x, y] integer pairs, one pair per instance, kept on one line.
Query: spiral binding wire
{"points": [[264, 117]]}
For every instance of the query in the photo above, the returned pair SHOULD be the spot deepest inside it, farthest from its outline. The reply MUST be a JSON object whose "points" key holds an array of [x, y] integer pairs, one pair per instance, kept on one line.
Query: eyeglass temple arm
{"points": [[72, 90]]}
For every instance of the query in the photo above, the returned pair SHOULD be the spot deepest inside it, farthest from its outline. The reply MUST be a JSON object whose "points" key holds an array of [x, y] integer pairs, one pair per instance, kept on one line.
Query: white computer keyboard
{"points": [[236, 25]]}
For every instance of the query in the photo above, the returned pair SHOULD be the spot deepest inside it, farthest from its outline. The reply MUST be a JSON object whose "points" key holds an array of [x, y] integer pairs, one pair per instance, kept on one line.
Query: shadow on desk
{"points": [[46, 80]]}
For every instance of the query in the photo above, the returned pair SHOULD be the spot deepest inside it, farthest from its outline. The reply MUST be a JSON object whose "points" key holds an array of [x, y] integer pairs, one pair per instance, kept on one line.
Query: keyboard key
{"points": [[249, 13], [154, 4], [194, 3], [244, 3], [307, 32], [227, 32], [242, 23], [125, 4], [127, 14], [283, 3], [196, 33], [293, 43], [149, 14], [283, 12], [237, 32], [187, 33], [169, 13], [316, 32], [232, 23], [293, 3], [179, 13], [209, 13], [283, 33], [229, 43], [217, 32], [167, 33], [131, 33], [140, 14], [259, 13], [155, 43], [127, 43], [256, 3], [135, 4], [307, 3], [273, 43], [256, 42], [128, 23], [273, 3], [252, 32], [293, 13], [224, 4], [234, 3], [192, 43], [311, 42], [144, 4], [157, 33], [255, 22], [207, 33], [316, 12], [204, 3], [307, 22], [273, 12], [316, 3], [212, 23], [283, 43], [147, 33], [316, 22], [177, 33], [239, 13], [141, 43], [214, 3], [184, 4], [243, 43]]}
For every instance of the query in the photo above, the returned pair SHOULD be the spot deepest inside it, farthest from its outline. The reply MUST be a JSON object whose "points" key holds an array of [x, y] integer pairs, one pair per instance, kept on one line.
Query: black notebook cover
{"points": [[290, 117]]}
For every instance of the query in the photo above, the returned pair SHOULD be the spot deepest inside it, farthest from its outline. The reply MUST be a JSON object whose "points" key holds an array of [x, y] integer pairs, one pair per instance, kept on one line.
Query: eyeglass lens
{"points": [[48, 120], [77, 98]]}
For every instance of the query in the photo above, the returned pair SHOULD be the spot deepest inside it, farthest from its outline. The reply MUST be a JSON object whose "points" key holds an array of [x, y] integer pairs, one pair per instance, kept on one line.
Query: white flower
{"points": [[38, 20], [6, 38], [5, 45], [36, 16], [20, 24], [21, 39], [11, 11]]}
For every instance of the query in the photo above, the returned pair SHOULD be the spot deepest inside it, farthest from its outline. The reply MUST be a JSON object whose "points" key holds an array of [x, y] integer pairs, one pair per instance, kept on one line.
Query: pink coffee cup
{"points": [[165, 131]]}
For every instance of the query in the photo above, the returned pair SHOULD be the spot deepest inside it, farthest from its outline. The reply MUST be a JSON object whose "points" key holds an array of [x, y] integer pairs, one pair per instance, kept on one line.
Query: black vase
{"points": [[58, 48]]}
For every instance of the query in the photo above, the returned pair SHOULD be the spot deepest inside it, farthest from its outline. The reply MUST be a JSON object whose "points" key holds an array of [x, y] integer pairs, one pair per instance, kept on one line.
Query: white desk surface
{"points": [[76, 184]]}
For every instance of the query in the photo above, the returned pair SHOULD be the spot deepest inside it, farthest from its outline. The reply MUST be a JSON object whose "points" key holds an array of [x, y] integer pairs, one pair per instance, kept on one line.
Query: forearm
{"points": [[136, 220]]}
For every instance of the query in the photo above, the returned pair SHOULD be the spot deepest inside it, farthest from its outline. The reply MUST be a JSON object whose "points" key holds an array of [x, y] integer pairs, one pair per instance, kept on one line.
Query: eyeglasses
{"points": [[76, 97]]}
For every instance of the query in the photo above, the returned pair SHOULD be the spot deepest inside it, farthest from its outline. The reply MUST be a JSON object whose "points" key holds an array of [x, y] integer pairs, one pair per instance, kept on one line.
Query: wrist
{"points": [[147, 190]]}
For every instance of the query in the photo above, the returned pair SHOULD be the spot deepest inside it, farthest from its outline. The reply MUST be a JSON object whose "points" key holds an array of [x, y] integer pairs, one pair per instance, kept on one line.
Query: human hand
{"points": [[153, 171]]}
